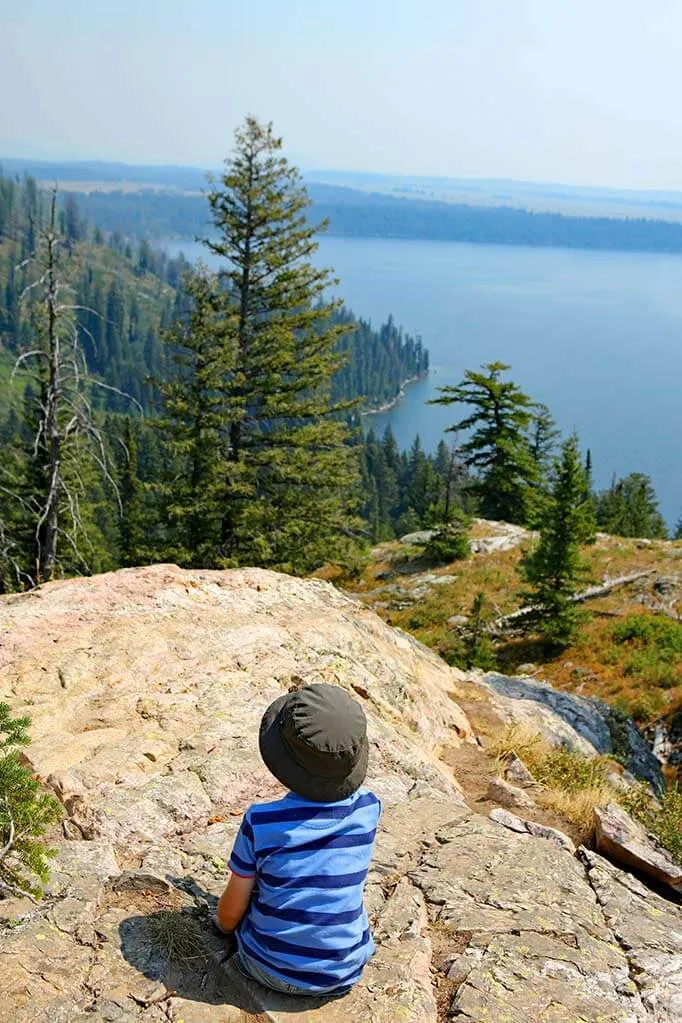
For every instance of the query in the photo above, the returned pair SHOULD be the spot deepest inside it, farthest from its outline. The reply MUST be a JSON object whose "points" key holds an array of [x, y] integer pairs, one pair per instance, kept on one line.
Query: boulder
{"points": [[152, 749], [626, 843], [500, 791], [581, 722]]}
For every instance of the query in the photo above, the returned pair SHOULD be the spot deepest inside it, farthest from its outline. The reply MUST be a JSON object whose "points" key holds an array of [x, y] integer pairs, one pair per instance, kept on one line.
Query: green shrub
{"points": [[653, 648], [450, 543], [654, 668], [650, 631], [25, 814], [665, 823], [617, 722], [647, 706]]}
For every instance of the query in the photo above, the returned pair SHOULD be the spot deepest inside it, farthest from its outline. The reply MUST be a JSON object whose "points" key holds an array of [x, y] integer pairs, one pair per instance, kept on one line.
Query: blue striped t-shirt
{"points": [[306, 923]]}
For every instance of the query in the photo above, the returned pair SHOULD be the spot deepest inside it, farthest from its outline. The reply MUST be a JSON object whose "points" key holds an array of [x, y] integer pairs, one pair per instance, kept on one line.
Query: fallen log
{"points": [[524, 614]]}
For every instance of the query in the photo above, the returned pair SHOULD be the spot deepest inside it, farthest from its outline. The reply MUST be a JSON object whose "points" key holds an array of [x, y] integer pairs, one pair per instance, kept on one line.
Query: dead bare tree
{"points": [[67, 436]]}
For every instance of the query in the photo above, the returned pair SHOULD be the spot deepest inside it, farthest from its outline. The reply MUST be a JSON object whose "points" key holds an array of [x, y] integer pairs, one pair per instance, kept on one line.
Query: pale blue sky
{"points": [[583, 91]]}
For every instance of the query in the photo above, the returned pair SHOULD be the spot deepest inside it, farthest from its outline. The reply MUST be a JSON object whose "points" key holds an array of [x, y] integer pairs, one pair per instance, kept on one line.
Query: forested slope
{"points": [[129, 293]]}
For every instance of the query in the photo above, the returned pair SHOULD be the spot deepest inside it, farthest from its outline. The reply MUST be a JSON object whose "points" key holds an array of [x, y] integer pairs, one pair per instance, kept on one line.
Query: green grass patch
{"points": [[648, 649]]}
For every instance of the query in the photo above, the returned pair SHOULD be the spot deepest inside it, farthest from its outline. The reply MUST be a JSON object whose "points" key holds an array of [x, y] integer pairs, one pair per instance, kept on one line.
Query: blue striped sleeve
{"points": [[243, 858]]}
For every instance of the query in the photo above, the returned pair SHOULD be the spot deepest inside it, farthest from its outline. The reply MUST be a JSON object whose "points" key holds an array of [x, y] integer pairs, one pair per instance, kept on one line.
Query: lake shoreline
{"points": [[398, 398]]}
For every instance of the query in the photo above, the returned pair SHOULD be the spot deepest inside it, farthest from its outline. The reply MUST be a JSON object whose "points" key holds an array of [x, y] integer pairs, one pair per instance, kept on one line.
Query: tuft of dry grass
{"points": [[572, 784], [176, 936]]}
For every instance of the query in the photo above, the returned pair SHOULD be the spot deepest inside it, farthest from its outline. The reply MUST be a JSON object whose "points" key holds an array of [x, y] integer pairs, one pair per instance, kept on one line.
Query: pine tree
{"points": [[25, 814], [589, 475], [73, 225], [477, 645], [630, 508], [677, 535], [195, 426], [291, 473], [543, 438], [556, 569], [498, 448]]}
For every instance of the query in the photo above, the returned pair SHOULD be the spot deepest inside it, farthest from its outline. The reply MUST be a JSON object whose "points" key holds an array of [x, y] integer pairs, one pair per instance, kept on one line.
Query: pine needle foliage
{"points": [[291, 469], [195, 425], [25, 814], [556, 569], [498, 448]]}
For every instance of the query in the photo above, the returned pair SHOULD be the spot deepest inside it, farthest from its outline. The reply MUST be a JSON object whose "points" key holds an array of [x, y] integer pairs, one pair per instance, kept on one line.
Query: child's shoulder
{"points": [[294, 805]]}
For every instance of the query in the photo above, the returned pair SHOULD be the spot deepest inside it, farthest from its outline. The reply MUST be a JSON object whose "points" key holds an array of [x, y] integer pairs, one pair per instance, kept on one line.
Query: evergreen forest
{"points": [[150, 410]]}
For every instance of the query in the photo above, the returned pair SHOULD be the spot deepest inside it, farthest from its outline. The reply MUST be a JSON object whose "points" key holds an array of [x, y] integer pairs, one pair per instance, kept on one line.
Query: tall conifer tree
{"points": [[556, 569], [498, 447], [291, 473], [195, 427]]}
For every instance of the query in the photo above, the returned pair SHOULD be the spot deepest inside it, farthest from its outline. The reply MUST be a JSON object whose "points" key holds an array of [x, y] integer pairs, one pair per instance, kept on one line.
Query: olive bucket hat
{"points": [[314, 740]]}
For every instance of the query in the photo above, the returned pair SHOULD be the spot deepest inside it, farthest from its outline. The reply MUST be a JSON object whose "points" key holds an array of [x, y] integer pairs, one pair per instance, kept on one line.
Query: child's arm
{"points": [[234, 902]]}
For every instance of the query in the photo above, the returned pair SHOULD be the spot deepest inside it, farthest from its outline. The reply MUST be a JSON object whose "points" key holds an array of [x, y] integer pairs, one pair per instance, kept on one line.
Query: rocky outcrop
{"points": [[498, 536], [146, 688], [626, 842], [537, 946], [584, 723]]}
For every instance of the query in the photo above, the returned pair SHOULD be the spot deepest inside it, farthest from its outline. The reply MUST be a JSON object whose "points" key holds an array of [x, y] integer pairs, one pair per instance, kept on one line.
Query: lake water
{"points": [[596, 336]]}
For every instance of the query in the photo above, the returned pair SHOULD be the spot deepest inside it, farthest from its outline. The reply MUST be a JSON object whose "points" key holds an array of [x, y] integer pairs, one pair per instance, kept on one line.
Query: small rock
{"points": [[517, 773], [421, 536], [528, 668], [456, 620], [514, 823], [71, 830], [508, 795], [508, 820]]}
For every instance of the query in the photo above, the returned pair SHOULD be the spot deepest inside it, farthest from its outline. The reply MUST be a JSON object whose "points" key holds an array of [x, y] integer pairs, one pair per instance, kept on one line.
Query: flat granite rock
{"points": [[539, 947], [649, 929]]}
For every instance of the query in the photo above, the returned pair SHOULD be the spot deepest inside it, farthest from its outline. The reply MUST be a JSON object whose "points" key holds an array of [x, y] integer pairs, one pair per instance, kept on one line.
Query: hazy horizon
{"points": [[41, 158], [568, 93]]}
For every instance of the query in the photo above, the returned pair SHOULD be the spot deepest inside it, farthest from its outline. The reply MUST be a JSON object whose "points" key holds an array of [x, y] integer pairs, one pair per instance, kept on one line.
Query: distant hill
{"points": [[166, 202]]}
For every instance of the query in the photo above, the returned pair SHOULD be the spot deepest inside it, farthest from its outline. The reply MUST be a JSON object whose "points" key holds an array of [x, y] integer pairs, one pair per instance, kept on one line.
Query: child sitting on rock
{"points": [[299, 864]]}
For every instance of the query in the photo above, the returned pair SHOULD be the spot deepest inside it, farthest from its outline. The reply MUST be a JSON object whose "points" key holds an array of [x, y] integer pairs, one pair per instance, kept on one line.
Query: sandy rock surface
{"points": [[146, 688]]}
